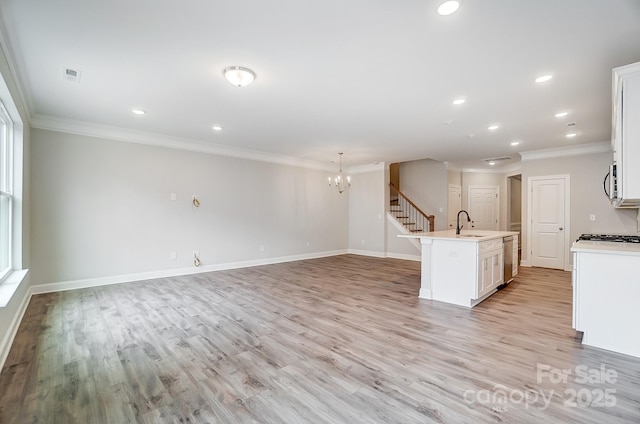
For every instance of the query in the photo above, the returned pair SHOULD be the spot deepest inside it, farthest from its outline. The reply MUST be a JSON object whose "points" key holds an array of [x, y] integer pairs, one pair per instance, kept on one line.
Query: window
{"points": [[6, 191]]}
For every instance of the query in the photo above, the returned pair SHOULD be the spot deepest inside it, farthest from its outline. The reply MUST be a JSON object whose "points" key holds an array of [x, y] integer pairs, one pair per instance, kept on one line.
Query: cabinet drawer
{"points": [[486, 246]]}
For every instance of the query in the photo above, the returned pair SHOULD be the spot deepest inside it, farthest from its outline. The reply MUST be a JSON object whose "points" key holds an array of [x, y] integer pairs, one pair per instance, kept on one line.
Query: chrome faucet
{"points": [[458, 226]]}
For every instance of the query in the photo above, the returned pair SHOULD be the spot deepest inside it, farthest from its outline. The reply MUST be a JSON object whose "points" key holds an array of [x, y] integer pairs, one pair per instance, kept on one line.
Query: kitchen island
{"points": [[463, 269]]}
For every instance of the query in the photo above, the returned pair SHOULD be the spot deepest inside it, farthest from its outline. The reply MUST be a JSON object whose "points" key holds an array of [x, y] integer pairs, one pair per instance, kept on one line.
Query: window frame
{"points": [[6, 188]]}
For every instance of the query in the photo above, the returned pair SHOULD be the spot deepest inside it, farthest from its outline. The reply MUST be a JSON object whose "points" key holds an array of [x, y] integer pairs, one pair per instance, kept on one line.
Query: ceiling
{"points": [[374, 79]]}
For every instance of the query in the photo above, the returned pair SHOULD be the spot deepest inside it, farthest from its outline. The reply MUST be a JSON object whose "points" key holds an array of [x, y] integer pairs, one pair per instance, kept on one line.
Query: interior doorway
{"points": [[548, 226], [514, 206], [484, 207]]}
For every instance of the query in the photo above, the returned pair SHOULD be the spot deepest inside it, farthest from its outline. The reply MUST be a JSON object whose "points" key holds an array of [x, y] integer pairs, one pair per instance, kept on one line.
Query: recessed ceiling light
{"points": [[544, 78], [571, 135], [138, 111], [217, 128], [492, 163], [448, 7], [561, 114], [459, 101], [514, 143], [493, 127]]}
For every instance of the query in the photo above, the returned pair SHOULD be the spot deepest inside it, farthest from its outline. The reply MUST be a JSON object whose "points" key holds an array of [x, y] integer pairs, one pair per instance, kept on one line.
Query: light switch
{"points": [[592, 217]]}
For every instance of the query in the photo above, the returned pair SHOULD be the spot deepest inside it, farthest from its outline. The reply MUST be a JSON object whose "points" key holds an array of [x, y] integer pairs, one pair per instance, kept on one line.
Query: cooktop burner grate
{"points": [[610, 238]]}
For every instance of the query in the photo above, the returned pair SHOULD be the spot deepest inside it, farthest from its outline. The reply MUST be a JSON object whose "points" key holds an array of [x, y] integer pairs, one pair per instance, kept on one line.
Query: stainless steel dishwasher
{"points": [[508, 258]]}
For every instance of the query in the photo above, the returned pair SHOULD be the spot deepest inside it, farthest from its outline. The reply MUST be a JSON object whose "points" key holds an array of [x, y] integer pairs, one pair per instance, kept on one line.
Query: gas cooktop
{"points": [[610, 238]]}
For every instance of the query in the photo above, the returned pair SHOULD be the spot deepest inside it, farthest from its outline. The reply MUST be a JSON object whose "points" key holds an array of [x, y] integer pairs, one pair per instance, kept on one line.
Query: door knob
{"points": [[560, 228]]}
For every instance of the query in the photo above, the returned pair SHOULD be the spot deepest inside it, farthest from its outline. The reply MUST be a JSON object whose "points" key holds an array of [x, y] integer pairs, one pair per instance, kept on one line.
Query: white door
{"points": [[454, 204], [483, 208], [547, 211]]}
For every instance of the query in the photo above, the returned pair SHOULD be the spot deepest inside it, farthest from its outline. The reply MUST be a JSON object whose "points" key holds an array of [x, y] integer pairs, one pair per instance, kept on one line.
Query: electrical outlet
{"points": [[174, 256], [592, 217], [262, 248]]}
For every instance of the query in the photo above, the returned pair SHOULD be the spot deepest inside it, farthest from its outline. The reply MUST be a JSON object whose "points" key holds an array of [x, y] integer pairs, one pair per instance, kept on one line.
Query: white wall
{"points": [[102, 208], [587, 197], [425, 183], [367, 212]]}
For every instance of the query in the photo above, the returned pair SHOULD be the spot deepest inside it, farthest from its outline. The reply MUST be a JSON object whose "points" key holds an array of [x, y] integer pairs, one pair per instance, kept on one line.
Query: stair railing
{"points": [[412, 217]]}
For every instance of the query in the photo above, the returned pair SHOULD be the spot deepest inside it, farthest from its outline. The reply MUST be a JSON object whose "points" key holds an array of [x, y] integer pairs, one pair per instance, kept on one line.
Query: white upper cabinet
{"points": [[625, 137]]}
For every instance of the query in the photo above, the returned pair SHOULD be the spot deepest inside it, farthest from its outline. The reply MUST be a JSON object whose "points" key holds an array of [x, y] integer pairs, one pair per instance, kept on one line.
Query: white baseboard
{"points": [[416, 258], [525, 263], [128, 278], [367, 253], [425, 294]]}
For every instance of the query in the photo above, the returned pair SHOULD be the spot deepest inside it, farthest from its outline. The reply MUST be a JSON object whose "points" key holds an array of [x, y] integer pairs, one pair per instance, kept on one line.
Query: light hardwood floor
{"points": [[334, 340]]}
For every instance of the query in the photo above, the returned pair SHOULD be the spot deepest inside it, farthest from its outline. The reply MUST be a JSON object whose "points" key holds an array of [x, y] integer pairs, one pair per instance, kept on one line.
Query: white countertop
{"points": [[610, 248], [465, 235]]}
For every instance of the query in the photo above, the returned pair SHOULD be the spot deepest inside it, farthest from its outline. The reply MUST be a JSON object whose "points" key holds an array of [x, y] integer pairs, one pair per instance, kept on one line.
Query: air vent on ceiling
{"points": [[498, 159], [71, 74]]}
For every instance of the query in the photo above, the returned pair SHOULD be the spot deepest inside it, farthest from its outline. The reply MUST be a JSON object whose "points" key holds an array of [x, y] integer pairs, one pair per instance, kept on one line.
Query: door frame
{"points": [[567, 215], [498, 200]]}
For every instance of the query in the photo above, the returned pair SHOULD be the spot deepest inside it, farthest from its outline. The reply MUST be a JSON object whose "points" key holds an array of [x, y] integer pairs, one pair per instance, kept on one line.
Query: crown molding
{"points": [[90, 129], [514, 168], [370, 167], [557, 152]]}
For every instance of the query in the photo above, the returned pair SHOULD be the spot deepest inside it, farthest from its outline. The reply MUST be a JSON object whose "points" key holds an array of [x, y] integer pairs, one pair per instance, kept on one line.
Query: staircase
{"points": [[408, 214]]}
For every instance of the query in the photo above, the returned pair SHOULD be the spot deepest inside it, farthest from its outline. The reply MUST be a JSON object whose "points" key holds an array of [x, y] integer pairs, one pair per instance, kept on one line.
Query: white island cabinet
{"points": [[606, 290], [462, 269]]}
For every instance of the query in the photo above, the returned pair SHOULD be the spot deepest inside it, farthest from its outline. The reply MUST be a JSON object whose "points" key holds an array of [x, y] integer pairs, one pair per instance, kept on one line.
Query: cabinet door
{"points": [[490, 272], [497, 274], [484, 275], [630, 176]]}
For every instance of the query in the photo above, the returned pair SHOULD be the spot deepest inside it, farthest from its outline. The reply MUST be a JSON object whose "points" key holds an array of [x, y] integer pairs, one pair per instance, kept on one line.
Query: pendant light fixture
{"points": [[341, 182], [239, 76]]}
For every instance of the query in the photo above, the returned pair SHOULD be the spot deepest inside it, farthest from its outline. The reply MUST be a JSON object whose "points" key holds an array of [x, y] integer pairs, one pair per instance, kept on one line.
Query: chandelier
{"points": [[341, 182]]}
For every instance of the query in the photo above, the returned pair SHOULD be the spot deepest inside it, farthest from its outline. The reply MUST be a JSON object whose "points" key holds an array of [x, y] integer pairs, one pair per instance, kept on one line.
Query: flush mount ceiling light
{"points": [[138, 112], [561, 114], [571, 135], [514, 143], [459, 101], [448, 7], [543, 78], [493, 127], [217, 128], [239, 76], [341, 182]]}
